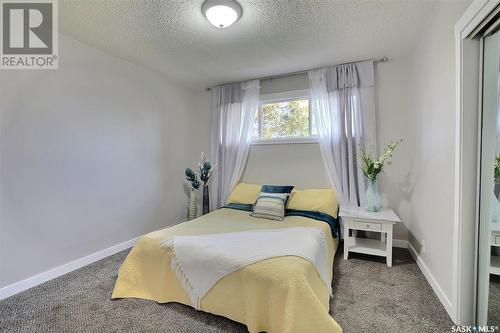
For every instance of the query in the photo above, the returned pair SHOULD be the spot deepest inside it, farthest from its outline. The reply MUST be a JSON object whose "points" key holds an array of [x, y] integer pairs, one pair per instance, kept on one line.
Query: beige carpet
{"points": [[368, 297], [494, 301]]}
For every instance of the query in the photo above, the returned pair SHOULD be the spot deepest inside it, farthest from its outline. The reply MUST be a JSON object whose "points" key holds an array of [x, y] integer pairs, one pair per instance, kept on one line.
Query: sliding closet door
{"points": [[488, 293]]}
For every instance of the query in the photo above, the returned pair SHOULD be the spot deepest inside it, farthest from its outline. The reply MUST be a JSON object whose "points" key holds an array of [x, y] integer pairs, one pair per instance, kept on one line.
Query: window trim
{"points": [[286, 140], [285, 97]]}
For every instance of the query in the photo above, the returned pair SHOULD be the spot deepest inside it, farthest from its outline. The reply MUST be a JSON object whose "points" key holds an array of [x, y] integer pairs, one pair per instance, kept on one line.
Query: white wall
{"points": [[432, 116], [393, 123], [302, 163], [92, 155]]}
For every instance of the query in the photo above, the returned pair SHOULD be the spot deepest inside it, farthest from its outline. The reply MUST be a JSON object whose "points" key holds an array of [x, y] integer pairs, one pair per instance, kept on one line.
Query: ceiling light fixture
{"points": [[221, 13]]}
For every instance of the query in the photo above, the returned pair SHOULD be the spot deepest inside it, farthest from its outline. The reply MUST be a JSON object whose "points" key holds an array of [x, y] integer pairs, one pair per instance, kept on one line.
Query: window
{"points": [[284, 116]]}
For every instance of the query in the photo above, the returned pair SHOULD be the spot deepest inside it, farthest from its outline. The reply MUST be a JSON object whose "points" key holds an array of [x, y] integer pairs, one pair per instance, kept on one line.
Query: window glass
{"points": [[283, 119]]}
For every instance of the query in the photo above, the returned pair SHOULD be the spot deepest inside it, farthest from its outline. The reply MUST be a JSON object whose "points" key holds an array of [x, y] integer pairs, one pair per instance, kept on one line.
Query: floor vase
{"points": [[206, 201], [192, 205]]}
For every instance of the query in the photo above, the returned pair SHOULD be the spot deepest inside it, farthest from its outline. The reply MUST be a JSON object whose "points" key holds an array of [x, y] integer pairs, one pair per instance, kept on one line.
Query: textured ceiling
{"points": [[272, 36]]}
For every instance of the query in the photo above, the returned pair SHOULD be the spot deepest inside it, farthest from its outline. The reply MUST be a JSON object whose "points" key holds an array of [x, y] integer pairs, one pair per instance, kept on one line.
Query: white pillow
{"points": [[270, 206]]}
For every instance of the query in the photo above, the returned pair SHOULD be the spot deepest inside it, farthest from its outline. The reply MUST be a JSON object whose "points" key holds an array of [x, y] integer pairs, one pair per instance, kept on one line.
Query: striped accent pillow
{"points": [[270, 206]]}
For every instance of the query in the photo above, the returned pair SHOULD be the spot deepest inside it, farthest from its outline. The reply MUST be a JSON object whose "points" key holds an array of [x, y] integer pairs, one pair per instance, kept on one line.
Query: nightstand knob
{"points": [[367, 226]]}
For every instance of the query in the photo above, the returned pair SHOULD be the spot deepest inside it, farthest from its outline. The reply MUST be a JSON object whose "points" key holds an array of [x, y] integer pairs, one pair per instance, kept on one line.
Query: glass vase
{"points": [[496, 189], [495, 204], [206, 200], [373, 200]]}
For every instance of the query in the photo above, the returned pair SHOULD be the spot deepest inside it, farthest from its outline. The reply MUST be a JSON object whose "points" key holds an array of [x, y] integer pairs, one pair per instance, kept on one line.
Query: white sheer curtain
{"points": [[343, 106], [234, 107]]}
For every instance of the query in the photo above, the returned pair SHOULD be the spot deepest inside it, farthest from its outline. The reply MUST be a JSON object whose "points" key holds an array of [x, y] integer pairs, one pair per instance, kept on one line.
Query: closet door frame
{"points": [[488, 132], [468, 52]]}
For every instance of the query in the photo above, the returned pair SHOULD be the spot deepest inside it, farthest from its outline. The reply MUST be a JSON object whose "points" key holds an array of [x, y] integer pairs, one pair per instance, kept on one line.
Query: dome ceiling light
{"points": [[221, 13]]}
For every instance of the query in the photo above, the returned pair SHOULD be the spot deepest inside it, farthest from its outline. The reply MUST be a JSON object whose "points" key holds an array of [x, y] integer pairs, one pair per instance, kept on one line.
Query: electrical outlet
{"points": [[422, 246]]}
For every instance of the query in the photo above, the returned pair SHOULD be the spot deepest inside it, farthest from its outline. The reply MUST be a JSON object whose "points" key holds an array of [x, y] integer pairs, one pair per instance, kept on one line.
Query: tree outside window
{"points": [[284, 119]]}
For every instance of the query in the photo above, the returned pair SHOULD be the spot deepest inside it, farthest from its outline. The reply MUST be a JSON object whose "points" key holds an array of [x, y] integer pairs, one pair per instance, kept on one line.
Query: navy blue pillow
{"points": [[276, 189]]}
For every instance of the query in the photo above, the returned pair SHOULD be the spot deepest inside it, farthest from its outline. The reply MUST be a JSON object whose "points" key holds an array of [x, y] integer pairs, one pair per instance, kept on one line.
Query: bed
{"points": [[282, 294]]}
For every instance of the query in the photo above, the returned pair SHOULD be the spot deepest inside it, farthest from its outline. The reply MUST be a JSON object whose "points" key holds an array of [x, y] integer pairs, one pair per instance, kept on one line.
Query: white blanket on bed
{"points": [[200, 261]]}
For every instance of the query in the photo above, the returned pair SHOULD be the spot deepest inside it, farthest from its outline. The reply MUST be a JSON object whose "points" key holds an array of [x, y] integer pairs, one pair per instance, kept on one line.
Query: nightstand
{"points": [[358, 218]]}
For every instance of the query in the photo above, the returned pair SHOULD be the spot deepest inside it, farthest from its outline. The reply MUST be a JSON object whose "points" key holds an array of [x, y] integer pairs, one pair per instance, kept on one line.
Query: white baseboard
{"points": [[432, 281], [63, 269]]}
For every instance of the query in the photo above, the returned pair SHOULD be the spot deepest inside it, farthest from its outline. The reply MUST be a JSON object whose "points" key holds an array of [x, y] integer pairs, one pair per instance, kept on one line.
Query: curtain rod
{"points": [[278, 76]]}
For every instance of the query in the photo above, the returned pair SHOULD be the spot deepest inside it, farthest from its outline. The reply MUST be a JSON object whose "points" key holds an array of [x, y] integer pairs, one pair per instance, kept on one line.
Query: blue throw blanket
{"points": [[332, 221]]}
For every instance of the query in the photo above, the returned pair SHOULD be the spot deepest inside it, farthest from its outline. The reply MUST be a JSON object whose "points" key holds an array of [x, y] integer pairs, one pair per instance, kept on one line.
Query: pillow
{"points": [[270, 206], [316, 200], [276, 189], [244, 193]]}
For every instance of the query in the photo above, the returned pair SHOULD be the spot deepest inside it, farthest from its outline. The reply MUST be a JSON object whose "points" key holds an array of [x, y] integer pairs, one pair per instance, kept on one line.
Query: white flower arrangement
{"points": [[372, 166]]}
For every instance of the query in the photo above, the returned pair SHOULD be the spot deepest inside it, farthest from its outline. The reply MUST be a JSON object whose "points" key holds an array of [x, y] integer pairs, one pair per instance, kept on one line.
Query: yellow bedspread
{"points": [[284, 294]]}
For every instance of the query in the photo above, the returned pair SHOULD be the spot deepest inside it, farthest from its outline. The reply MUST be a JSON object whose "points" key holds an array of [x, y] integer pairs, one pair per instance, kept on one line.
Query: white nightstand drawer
{"points": [[496, 240], [364, 225]]}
